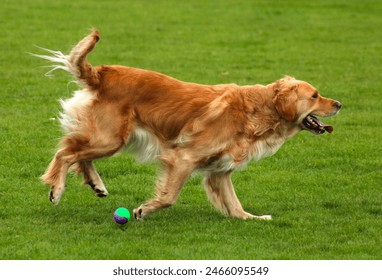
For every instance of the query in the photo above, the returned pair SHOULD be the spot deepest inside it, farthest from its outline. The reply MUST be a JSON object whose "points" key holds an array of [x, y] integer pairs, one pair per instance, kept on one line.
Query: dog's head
{"points": [[300, 103]]}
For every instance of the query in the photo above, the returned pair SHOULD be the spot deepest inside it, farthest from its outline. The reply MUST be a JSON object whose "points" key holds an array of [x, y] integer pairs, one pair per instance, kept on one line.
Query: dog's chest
{"points": [[238, 158], [265, 148]]}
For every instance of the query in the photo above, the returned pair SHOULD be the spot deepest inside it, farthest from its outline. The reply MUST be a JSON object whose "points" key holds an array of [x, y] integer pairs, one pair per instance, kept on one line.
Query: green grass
{"points": [[324, 192]]}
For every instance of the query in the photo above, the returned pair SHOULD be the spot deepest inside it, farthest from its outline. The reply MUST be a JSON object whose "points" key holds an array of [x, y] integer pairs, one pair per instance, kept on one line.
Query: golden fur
{"points": [[186, 126]]}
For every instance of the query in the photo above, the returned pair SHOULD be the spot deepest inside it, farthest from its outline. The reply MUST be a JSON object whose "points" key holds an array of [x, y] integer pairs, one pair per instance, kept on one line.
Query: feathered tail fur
{"points": [[76, 62]]}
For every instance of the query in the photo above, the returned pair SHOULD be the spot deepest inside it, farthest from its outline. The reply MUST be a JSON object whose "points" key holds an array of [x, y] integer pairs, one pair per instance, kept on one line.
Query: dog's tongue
{"points": [[327, 127]]}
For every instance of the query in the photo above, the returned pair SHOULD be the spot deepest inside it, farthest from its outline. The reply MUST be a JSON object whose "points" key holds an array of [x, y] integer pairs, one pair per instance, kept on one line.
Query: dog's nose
{"points": [[337, 104]]}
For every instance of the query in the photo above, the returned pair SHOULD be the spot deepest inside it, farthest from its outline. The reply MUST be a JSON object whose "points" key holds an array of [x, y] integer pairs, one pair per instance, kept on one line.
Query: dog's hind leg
{"points": [[55, 175], [221, 193], [77, 149], [176, 170], [91, 177]]}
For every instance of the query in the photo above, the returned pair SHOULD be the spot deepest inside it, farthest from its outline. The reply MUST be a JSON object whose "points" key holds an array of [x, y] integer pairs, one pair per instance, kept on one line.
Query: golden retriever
{"points": [[215, 129]]}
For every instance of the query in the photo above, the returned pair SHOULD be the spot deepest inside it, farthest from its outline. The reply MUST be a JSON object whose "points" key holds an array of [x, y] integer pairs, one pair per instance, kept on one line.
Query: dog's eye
{"points": [[315, 95]]}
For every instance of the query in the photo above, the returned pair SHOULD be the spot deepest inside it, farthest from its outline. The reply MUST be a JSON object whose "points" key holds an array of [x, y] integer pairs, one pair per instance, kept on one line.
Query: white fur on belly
{"points": [[144, 145]]}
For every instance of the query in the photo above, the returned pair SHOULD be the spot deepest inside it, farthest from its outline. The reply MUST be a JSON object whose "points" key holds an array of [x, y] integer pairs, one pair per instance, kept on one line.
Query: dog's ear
{"points": [[285, 101]]}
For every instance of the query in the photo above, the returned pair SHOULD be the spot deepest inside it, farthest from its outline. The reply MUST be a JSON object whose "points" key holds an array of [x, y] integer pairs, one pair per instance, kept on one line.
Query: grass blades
{"points": [[324, 192]]}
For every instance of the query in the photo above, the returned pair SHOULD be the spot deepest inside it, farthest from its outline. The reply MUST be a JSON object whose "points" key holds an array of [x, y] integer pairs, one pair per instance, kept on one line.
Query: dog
{"points": [[188, 127]]}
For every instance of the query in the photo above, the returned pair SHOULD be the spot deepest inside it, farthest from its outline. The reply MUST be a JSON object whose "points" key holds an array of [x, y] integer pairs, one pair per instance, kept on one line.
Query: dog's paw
{"points": [[138, 213], [263, 217], [55, 195], [99, 191], [250, 216]]}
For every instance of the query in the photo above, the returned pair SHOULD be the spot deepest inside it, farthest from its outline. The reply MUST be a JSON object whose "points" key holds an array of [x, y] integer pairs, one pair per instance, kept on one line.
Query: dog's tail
{"points": [[76, 62]]}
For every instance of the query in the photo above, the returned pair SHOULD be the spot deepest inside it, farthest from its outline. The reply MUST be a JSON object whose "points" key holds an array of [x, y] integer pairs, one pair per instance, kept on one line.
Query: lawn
{"points": [[324, 192]]}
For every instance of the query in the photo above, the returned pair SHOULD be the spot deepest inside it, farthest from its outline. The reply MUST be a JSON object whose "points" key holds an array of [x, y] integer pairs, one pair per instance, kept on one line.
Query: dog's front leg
{"points": [[221, 193], [175, 171]]}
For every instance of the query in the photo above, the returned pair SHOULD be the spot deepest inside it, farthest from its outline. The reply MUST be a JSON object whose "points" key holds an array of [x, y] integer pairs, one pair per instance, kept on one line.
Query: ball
{"points": [[121, 215]]}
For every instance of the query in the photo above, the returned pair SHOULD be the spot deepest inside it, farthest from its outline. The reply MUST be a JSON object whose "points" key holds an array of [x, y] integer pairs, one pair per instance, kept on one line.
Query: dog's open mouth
{"points": [[313, 124]]}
